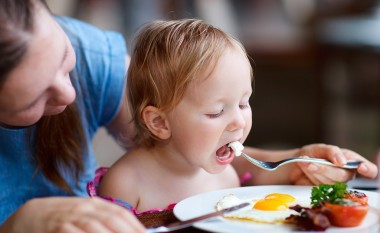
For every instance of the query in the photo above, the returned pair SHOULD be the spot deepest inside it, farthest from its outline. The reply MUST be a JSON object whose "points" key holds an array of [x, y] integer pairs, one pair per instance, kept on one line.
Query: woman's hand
{"points": [[73, 214], [314, 174]]}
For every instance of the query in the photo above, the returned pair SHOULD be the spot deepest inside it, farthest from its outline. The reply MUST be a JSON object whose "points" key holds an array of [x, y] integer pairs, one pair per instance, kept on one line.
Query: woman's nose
{"points": [[237, 121], [62, 91]]}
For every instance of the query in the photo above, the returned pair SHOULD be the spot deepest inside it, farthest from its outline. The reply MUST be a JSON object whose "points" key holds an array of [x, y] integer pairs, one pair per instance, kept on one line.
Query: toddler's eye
{"points": [[215, 115], [243, 106]]}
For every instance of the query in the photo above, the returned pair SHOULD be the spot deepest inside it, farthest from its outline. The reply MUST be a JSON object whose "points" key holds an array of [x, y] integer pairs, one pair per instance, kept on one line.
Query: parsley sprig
{"points": [[327, 192]]}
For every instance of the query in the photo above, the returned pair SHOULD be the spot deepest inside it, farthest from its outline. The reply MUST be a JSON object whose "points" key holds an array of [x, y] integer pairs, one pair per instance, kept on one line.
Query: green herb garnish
{"points": [[327, 192]]}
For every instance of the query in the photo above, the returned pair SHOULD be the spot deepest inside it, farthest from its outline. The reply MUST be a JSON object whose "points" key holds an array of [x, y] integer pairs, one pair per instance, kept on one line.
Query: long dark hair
{"points": [[59, 140]]}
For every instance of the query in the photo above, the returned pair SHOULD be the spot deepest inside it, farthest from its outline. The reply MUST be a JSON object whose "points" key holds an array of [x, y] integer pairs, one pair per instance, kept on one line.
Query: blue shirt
{"points": [[99, 78]]}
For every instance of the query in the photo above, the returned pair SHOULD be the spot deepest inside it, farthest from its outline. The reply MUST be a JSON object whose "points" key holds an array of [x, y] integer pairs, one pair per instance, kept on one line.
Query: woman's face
{"points": [[40, 85]]}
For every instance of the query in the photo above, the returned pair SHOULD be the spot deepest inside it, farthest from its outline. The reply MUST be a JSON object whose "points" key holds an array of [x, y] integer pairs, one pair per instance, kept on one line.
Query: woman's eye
{"points": [[215, 115]]}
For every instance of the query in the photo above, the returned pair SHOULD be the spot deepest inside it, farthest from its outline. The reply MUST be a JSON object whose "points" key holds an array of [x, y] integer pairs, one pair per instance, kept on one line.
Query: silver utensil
{"points": [[270, 166], [183, 224]]}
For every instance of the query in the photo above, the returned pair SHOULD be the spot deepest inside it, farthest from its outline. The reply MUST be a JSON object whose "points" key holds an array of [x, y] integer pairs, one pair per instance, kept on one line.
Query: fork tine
{"points": [[264, 165]]}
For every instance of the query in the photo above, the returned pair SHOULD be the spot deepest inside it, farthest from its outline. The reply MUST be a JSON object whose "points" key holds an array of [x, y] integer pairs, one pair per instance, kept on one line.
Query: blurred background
{"points": [[316, 63]]}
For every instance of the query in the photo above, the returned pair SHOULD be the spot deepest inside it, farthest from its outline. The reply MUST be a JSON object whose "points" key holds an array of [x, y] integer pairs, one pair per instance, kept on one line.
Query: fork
{"points": [[270, 166]]}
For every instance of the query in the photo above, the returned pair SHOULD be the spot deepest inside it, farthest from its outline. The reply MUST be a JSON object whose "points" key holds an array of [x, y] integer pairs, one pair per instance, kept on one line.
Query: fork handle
{"points": [[348, 165]]}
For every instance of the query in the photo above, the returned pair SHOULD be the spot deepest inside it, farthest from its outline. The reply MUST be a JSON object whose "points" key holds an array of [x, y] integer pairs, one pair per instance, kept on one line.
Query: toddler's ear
{"points": [[156, 122]]}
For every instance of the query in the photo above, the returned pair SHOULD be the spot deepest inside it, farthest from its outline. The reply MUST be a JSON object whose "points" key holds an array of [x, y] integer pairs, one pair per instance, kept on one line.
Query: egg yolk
{"points": [[274, 201], [270, 204], [281, 197]]}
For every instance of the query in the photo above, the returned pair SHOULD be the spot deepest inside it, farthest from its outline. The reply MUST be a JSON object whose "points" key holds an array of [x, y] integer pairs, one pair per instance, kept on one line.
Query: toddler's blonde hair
{"points": [[167, 57]]}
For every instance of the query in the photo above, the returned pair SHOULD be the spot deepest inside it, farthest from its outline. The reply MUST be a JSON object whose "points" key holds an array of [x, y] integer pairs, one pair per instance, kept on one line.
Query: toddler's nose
{"points": [[237, 122]]}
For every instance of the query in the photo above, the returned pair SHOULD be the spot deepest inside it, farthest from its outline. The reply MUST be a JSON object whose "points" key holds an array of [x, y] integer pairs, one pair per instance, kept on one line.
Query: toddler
{"points": [[188, 87]]}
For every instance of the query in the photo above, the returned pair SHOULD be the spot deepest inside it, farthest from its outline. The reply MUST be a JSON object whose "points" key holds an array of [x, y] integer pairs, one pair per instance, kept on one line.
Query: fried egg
{"points": [[273, 208]]}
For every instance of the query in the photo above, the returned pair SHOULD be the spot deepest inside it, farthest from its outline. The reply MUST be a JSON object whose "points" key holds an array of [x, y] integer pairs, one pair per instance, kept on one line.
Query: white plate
{"points": [[205, 203]]}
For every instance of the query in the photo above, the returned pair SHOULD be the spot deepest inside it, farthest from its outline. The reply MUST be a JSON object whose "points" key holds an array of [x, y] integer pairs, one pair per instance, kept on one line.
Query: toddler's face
{"points": [[214, 112], [40, 85]]}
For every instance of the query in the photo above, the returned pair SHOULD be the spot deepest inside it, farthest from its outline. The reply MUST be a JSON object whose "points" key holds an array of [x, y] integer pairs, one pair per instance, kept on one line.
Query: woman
{"points": [[45, 147], [46, 158]]}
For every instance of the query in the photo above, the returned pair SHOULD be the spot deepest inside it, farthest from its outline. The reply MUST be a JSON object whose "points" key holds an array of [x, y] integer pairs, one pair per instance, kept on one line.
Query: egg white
{"points": [[237, 147], [255, 215]]}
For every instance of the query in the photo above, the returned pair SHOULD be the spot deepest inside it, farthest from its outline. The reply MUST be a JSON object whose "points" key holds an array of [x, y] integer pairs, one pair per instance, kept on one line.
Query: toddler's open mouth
{"points": [[224, 154]]}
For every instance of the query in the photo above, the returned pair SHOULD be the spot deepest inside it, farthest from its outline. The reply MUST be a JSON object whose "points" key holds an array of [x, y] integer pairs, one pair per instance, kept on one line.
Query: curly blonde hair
{"points": [[167, 57]]}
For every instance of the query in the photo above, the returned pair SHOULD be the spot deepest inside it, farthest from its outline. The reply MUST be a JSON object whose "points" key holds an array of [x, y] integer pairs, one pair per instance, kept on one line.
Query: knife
{"points": [[183, 224]]}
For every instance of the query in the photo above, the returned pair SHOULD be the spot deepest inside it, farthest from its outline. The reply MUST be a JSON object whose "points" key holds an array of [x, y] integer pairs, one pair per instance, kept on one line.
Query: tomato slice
{"points": [[357, 197], [345, 215]]}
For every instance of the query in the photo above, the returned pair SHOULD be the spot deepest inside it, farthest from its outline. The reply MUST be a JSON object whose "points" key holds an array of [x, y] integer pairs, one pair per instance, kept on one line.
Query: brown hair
{"points": [[60, 140], [167, 57]]}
